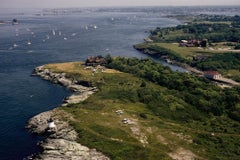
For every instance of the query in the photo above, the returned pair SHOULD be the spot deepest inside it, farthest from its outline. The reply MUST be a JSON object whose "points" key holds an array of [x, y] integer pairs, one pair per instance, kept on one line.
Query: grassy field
{"points": [[233, 74], [147, 137], [188, 52]]}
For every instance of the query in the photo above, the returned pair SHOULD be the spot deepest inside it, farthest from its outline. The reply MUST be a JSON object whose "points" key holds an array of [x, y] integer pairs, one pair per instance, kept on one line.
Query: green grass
{"points": [[184, 52], [99, 127], [233, 74]]}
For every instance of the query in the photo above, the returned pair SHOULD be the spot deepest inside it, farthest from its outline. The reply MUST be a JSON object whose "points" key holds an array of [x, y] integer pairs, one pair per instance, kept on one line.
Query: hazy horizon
{"points": [[111, 3]]}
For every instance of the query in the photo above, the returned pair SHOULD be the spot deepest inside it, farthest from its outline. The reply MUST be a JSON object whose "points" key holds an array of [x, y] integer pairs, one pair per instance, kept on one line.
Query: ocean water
{"points": [[52, 36]]}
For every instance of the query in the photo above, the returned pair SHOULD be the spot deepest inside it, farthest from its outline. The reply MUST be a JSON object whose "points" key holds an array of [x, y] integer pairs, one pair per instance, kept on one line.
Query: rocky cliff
{"points": [[80, 92], [60, 142]]}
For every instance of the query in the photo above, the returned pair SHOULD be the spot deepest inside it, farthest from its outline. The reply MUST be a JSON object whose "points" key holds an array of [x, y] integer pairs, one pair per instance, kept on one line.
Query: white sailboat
{"points": [[53, 32], [74, 34], [15, 45]]}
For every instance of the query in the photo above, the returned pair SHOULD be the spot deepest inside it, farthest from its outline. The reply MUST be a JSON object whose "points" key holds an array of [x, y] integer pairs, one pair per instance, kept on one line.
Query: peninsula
{"points": [[137, 109]]}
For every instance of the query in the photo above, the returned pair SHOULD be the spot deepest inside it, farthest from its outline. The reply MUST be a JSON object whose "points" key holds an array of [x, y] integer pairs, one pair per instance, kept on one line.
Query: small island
{"points": [[129, 108]]}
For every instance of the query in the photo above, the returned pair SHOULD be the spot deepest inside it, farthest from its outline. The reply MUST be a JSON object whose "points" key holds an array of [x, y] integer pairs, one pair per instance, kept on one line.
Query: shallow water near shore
{"points": [[53, 36]]}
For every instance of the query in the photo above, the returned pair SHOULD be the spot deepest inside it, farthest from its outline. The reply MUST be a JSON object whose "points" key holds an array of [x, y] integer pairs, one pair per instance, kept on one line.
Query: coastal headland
{"points": [[60, 142], [133, 108], [136, 109]]}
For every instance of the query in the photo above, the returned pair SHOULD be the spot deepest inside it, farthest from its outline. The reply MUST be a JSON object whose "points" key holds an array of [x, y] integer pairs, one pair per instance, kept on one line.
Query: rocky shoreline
{"points": [[61, 143], [80, 92]]}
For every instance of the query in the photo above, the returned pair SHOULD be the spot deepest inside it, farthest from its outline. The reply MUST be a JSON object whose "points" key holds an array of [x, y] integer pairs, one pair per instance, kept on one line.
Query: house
{"points": [[212, 75], [95, 61], [193, 43], [190, 43]]}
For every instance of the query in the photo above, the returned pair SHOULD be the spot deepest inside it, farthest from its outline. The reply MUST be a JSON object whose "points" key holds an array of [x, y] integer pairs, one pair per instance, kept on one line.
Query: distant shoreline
{"points": [[2, 22]]}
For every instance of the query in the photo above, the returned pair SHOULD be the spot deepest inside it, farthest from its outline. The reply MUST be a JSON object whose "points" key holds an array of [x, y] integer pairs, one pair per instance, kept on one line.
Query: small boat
{"points": [[74, 34], [53, 32], [29, 43], [65, 38], [2, 22], [95, 27], [14, 22], [15, 45], [59, 33]]}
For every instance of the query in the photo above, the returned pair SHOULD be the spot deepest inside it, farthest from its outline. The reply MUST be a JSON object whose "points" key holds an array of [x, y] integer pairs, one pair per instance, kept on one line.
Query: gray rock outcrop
{"points": [[80, 92], [61, 143]]}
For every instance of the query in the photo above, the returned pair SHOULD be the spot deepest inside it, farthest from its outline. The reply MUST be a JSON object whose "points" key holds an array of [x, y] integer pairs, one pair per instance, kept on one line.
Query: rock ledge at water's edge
{"points": [[61, 144]]}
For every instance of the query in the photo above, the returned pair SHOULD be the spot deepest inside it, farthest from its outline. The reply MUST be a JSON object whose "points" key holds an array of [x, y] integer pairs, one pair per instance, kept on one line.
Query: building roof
{"points": [[211, 73], [94, 61]]}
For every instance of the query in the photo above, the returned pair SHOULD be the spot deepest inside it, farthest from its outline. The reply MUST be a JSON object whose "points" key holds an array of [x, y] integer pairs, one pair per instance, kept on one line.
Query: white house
{"points": [[212, 75]]}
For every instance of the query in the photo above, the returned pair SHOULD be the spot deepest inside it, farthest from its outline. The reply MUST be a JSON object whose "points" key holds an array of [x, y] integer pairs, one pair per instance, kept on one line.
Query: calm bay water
{"points": [[51, 36]]}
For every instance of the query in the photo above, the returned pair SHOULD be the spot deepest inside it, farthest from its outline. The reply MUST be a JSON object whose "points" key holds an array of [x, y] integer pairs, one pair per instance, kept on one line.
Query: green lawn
{"points": [[151, 136], [186, 52], [233, 74]]}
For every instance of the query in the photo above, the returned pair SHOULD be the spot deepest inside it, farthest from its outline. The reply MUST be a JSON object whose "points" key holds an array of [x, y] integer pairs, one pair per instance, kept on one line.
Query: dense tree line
{"points": [[219, 61], [214, 32], [188, 90], [235, 20]]}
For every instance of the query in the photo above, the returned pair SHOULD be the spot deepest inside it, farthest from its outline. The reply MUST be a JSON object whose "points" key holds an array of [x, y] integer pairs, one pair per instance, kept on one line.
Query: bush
{"points": [[143, 115], [237, 46]]}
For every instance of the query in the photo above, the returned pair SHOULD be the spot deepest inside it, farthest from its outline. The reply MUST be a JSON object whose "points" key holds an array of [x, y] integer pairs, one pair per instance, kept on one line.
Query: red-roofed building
{"points": [[193, 43], [212, 74]]}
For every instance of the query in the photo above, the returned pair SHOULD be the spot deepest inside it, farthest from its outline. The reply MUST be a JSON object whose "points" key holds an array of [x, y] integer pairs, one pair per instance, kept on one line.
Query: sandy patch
{"points": [[182, 154]]}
